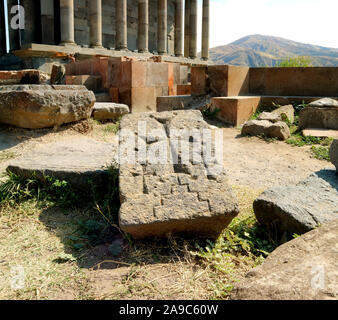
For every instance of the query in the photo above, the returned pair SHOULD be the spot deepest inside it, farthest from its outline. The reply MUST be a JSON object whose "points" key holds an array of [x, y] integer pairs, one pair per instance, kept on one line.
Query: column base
{"points": [[121, 49], [96, 47], [68, 44], [143, 51], [179, 55]]}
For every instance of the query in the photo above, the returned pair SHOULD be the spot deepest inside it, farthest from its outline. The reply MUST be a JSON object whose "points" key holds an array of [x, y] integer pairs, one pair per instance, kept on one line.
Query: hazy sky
{"points": [[307, 21]]}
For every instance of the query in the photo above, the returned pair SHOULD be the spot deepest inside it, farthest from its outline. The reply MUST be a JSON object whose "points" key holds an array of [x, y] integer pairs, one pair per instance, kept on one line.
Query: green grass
{"points": [[320, 147]]}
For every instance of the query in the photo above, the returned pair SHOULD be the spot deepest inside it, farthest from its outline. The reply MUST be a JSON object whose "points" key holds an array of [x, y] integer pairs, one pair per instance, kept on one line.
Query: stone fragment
{"points": [[334, 153], [158, 199], [322, 113], [109, 111], [286, 113], [305, 268], [79, 161], [58, 75], [268, 116], [279, 130], [43, 106], [297, 209], [323, 103]]}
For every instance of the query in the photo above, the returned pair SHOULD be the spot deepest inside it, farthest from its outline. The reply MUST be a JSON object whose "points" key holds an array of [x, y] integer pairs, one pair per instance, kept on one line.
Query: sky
{"points": [[307, 21]]}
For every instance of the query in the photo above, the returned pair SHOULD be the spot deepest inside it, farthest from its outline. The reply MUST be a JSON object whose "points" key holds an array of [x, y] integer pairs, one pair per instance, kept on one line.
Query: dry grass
{"points": [[33, 235]]}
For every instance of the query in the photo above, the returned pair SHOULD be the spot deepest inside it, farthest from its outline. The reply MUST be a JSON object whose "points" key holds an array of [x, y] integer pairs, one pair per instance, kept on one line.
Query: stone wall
{"points": [[32, 32], [318, 81]]}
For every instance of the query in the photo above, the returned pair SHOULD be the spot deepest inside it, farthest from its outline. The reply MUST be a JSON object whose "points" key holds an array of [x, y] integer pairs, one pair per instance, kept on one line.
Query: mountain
{"points": [[260, 51]]}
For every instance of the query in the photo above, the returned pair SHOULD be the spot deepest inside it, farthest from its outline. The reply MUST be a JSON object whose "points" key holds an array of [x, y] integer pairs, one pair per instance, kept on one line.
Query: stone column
{"points": [[179, 28], [193, 29], [187, 29], [67, 21], [162, 27], [47, 21], [205, 29], [143, 25], [121, 25], [95, 23]]}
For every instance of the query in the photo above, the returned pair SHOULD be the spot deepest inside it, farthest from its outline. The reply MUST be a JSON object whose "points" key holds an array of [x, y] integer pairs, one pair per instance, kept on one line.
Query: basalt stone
{"points": [[82, 162], [174, 196], [302, 269], [43, 106], [297, 209]]}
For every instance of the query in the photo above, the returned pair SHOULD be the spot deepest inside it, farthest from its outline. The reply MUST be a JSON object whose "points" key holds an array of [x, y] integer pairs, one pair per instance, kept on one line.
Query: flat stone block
{"points": [[198, 80], [320, 133], [183, 89], [109, 111], [93, 83], [235, 110], [76, 160], [173, 103]]}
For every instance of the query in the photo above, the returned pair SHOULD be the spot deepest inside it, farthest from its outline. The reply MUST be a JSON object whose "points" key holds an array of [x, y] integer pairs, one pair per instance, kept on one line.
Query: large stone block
{"points": [[160, 196], [93, 83], [322, 113], [297, 209], [302, 269], [199, 81], [235, 110], [278, 130], [43, 106], [23, 77], [109, 111], [79, 161]]}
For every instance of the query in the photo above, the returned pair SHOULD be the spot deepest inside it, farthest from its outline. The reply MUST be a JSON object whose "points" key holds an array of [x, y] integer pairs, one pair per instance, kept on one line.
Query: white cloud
{"points": [[308, 21]]}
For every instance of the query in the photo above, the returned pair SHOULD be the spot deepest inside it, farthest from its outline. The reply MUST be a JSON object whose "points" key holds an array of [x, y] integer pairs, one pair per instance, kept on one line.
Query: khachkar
{"points": [[183, 30]]}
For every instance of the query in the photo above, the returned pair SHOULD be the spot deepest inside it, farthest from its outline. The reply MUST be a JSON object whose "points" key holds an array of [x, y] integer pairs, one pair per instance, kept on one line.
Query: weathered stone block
{"points": [[93, 83], [158, 199], [43, 106], [199, 81], [109, 111], [183, 89], [235, 110], [320, 114], [293, 271], [279, 130], [297, 209]]}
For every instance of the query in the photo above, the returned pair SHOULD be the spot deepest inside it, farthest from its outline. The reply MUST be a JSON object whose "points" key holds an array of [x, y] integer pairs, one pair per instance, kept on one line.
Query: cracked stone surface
{"points": [[77, 161], [44, 106], [159, 199], [302, 207]]}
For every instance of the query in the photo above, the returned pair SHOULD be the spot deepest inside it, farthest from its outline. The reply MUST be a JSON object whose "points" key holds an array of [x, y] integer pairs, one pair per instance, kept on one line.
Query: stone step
{"points": [[320, 133], [103, 97], [235, 110], [109, 110], [93, 83]]}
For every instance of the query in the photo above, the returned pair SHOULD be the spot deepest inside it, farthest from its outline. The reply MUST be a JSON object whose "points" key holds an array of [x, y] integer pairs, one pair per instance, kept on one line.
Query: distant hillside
{"points": [[260, 51]]}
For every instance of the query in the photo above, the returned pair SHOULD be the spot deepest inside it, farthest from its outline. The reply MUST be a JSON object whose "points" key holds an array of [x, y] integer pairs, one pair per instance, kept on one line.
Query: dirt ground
{"points": [[252, 165]]}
